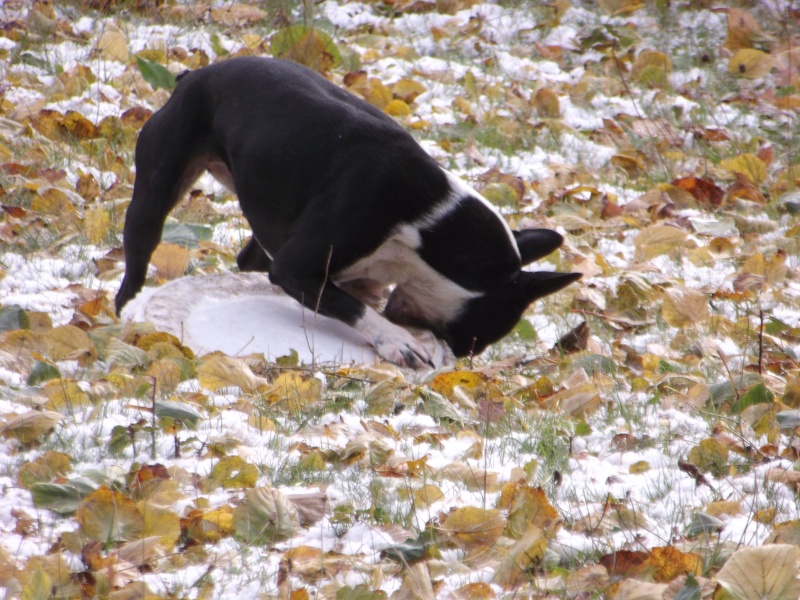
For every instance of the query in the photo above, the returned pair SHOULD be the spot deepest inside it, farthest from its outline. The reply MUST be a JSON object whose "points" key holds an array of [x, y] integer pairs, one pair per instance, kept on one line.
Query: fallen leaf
{"points": [[684, 307], [30, 427], [657, 240], [109, 516], [474, 529], [218, 372], [766, 572], [265, 516], [170, 260]]}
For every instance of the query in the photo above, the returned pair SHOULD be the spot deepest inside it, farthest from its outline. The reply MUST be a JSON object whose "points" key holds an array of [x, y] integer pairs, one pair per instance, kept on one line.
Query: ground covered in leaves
{"points": [[635, 437]]}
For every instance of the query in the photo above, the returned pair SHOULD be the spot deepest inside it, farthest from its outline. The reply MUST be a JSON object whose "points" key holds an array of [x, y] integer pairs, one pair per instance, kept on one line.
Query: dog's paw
{"points": [[405, 353], [394, 343]]}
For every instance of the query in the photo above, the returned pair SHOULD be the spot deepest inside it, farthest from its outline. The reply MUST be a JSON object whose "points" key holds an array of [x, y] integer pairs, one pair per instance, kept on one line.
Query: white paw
{"points": [[394, 343]]}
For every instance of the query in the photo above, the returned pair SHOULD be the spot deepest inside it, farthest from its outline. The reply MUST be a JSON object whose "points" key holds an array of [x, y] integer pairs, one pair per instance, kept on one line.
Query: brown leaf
{"points": [[574, 340], [703, 190]]}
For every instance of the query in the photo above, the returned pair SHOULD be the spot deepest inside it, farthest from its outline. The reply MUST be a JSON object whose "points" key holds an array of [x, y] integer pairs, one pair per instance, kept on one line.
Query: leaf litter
{"points": [[634, 437]]}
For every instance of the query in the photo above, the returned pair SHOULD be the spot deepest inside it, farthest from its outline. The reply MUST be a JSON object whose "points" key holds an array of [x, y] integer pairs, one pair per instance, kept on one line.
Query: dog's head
{"points": [[493, 313]]}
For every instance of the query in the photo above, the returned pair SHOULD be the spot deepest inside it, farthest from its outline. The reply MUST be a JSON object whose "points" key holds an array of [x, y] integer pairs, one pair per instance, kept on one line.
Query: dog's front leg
{"points": [[302, 274]]}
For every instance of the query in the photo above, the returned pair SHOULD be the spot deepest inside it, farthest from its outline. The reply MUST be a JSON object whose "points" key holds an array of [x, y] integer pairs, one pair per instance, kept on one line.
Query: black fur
{"points": [[324, 180]]}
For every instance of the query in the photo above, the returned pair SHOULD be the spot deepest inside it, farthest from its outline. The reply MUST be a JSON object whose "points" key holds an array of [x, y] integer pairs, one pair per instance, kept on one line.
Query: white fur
{"points": [[394, 343]]}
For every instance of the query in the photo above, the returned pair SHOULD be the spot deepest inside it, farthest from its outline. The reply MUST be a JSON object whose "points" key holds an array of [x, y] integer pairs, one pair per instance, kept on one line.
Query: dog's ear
{"points": [[490, 316], [538, 284], [534, 244]]}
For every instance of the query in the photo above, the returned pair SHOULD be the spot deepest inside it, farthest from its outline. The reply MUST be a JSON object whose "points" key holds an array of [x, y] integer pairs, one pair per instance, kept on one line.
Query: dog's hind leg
{"points": [[165, 169]]}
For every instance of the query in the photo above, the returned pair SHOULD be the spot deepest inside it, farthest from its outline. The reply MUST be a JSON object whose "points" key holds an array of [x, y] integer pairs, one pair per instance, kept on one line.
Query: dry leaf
{"points": [[170, 260], [265, 516], [294, 391], [750, 63], [766, 572], [684, 307], [474, 529], [218, 372], [744, 31], [113, 45], [109, 516], [668, 563], [657, 240], [31, 426], [528, 552]]}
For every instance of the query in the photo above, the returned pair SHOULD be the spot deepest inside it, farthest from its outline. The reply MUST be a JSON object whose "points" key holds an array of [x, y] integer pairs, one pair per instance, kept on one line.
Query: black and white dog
{"points": [[343, 204]]}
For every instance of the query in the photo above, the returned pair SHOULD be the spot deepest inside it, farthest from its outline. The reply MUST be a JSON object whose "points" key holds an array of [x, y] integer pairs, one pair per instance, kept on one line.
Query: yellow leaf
{"points": [[657, 240], [528, 552], [669, 562], [620, 7], [294, 391], [710, 456], [79, 126], [407, 90], [445, 383], [577, 401], [113, 45], [69, 343], [39, 585], [167, 373], [96, 223], [231, 472], [160, 521], [632, 163], [31, 426], [474, 478], [473, 528], [527, 505], [744, 31], [651, 68], [397, 108], [378, 94], [750, 63], [219, 372], [108, 516], [170, 260], [53, 201], [428, 494], [65, 393], [684, 307]]}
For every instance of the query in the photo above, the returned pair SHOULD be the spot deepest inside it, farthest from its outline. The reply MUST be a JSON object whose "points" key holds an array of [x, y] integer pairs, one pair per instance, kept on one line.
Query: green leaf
{"points": [[525, 331], [216, 45], [231, 472], [758, 394], [360, 592], [407, 552], [690, 589], [177, 411], [702, 523], [62, 498], [724, 393], [41, 372], [13, 317], [155, 74], [186, 234]]}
